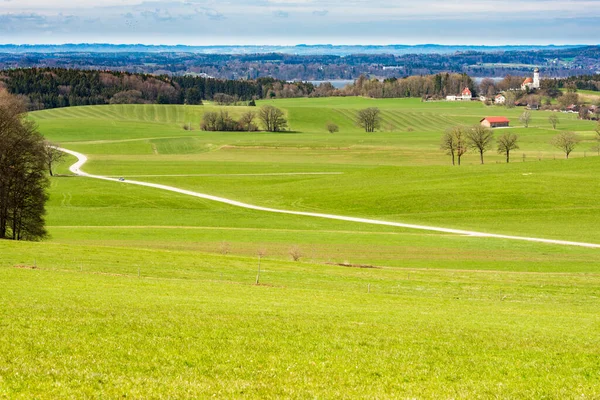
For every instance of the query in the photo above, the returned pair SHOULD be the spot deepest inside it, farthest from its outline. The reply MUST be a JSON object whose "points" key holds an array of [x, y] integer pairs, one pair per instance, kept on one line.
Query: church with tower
{"points": [[534, 83]]}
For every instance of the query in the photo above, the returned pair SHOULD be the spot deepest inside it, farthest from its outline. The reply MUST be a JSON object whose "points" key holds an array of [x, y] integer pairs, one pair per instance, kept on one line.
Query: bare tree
{"points": [[568, 99], [247, 121], [565, 141], [454, 141], [584, 112], [261, 252], [369, 119], [553, 119], [597, 148], [480, 138], [510, 99], [53, 156], [506, 143], [487, 87], [525, 118], [332, 128], [296, 253], [272, 118], [224, 248]]}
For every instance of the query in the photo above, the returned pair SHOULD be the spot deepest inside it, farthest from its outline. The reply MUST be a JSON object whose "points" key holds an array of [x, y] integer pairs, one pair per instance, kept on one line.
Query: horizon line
{"points": [[299, 45]]}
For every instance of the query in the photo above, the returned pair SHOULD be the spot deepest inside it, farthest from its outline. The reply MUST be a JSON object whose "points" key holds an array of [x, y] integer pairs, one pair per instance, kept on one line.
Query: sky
{"points": [[290, 22]]}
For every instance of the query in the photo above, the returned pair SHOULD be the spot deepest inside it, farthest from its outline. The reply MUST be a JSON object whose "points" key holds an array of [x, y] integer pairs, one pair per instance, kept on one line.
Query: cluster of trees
{"points": [[439, 85], [54, 87], [24, 159], [580, 82], [271, 118], [458, 140]]}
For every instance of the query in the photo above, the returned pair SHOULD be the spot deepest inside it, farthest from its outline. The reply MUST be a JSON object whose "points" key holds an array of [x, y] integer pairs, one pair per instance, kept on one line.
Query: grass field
{"points": [[147, 293]]}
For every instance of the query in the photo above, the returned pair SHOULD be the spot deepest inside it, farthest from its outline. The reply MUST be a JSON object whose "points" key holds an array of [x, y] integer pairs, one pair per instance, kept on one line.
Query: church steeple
{"points": [[536, 78]]}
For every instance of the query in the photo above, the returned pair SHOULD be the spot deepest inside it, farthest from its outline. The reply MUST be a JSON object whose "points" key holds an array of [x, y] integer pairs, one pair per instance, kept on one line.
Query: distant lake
{"points": [[337, 83], [340, 83], [495, 79]]}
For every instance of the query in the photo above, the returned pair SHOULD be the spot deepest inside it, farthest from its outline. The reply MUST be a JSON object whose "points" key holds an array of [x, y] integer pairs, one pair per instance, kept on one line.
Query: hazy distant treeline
{"points": [[56, 87]]}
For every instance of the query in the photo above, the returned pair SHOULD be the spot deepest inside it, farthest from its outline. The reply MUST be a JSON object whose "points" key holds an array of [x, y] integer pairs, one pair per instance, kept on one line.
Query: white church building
{"points": [[534, 83]]}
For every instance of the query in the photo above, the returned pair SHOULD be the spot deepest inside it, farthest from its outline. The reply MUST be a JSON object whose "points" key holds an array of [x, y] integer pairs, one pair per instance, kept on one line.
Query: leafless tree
{"points": [[568, 99], [487, 87], [566, 141], [480, 138], [332, 128], [53, 156], [510, 99], [454, 141], [553, 119], [272, 118], [525, 118], [296, 253], [507, 143], [597, 148], [247, 121], [224, 248], [369, 119], [584, 112]]}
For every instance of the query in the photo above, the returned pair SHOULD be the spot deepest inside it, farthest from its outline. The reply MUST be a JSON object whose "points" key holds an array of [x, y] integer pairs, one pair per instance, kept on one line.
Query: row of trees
{"points": [[23, 173], [458, 140], [271, 118]]}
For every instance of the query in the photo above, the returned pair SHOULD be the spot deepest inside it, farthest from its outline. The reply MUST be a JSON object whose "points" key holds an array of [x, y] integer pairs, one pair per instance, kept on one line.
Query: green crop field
{"points": [[145, 293]]}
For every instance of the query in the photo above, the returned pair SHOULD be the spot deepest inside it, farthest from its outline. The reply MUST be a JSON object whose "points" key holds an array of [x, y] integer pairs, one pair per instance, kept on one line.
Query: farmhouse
{"points": [[466, 95], [500, 99], [532, 83], [494, 122]]}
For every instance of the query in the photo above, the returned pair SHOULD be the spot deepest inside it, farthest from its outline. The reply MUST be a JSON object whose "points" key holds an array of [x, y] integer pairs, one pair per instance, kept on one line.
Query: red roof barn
{"points": [[495, 122], [467, 92]]}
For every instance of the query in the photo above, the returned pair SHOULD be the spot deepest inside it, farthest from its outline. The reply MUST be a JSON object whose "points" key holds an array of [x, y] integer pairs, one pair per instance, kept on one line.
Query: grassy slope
{"points": [[386, 175], [194, 325]]}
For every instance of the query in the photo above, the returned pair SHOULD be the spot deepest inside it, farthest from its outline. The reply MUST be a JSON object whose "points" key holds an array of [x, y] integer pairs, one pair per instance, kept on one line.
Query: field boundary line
{"points": [[82, 159]]}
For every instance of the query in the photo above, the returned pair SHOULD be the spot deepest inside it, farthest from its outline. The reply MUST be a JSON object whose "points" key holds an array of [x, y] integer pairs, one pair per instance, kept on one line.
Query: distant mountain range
{"points": [[301, 49]]}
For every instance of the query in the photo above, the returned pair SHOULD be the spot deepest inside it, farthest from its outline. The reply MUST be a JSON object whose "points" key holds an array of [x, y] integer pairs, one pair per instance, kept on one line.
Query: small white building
{"points": [[466, 95], [500, 99]]}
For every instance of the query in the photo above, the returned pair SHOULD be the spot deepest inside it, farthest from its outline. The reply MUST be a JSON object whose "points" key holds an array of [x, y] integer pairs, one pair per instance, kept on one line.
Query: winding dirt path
{"points": [[82, 159]]}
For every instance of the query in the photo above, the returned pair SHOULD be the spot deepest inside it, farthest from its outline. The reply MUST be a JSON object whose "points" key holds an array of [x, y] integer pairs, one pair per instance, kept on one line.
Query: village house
{"points": [[500, 99], [573, 108], [466, 95], [495, 122]]}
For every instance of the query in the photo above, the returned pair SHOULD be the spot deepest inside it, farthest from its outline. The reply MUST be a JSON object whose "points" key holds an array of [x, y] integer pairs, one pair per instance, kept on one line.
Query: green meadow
{"points": [[146, 293]]}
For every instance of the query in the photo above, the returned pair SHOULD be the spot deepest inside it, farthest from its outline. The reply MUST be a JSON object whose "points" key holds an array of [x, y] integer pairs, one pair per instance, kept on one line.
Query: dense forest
{"points": [[554, 63], [583, 82], [56, 87]]}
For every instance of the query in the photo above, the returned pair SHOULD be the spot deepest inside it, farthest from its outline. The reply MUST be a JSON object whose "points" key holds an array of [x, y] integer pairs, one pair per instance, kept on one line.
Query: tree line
{"points": [[44, 88]]}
